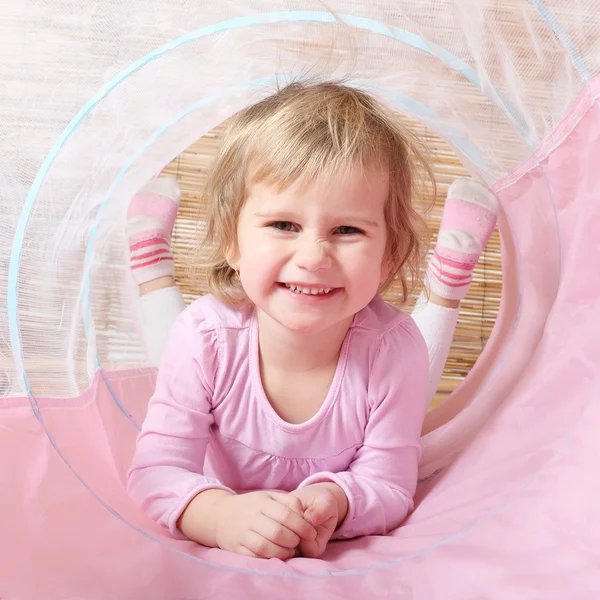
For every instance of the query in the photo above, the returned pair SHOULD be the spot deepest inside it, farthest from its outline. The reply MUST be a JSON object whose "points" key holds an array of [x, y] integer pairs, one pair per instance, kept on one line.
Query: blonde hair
{"points": [[298, 133]]}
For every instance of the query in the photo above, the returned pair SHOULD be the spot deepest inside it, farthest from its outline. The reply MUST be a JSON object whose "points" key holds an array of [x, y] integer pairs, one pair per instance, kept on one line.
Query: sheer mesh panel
{"points": [[528, 58]]}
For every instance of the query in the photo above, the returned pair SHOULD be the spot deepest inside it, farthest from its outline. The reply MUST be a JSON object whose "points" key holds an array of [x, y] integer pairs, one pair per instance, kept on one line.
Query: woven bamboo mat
{"points": [[478, 309]]}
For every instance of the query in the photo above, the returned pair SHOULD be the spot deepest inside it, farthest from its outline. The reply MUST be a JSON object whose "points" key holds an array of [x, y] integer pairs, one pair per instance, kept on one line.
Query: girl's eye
{"points": [[347, 230], [283, 225]]}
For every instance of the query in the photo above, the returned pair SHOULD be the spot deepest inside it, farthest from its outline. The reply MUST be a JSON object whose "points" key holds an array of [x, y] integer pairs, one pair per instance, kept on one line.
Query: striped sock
{"points": [[150, 218], [467, 224]]}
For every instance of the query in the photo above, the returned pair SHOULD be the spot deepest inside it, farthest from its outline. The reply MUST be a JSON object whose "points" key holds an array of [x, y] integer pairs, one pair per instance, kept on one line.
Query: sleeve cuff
{"points": [[344, 529], [211, 484]]}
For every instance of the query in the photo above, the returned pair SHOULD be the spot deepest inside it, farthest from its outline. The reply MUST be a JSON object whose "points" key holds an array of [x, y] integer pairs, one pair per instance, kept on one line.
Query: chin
{"points": [[302, 327]]}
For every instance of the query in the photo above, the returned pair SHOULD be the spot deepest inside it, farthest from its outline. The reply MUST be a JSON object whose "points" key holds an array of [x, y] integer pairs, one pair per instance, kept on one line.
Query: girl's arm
{"points": [[167, 478], [381, 480], [167, 469]]}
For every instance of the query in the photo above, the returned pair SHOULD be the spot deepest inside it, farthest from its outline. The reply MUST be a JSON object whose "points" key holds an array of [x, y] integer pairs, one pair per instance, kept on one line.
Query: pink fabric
{"points": [[150, 257], [467, 216], [450, 271], [513, 515], [455, 265], [154, 248], [449, 278], [156, 206], [150, 252], [210, 424]]}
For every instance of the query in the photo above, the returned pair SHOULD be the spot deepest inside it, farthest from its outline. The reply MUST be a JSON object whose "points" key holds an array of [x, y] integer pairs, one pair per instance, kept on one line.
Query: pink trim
{"points": [[579, 108], [448, 284], [151, 262], [148, 242], [452, 263], [150, 254], [451, 275]]}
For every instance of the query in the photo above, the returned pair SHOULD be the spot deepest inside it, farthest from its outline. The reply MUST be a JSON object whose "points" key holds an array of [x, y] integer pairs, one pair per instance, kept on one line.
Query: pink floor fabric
{"points": [[514, 516]]}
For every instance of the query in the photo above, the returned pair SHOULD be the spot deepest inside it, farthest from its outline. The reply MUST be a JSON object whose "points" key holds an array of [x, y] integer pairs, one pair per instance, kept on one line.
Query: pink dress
{"points": [[210, 424]]}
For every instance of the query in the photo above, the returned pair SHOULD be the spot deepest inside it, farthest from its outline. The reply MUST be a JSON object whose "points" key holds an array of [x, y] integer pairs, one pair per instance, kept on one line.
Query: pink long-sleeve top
{"points": [[210, 425]]}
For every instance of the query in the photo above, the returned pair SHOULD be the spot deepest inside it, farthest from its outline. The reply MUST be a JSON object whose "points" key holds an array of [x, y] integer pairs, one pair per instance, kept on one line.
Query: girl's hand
{"points": [[324, 506], [262, 525]]}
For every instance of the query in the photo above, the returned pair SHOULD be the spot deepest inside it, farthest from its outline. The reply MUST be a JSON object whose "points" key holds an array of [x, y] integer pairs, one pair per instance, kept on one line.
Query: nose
{"points": [[312, 254]]}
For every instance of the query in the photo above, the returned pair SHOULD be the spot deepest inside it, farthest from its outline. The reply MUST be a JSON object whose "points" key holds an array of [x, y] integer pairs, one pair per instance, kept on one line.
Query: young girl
{"points": [[289, 403]]}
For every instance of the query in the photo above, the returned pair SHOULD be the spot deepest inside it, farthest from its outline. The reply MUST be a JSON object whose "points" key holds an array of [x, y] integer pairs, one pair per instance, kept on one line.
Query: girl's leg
{"points": [[150, 218], [468, 221]]}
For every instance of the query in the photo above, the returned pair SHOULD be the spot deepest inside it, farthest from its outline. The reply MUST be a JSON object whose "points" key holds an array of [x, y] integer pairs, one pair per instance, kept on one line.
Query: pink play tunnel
{"points": [[507, 505], [513, 514]]}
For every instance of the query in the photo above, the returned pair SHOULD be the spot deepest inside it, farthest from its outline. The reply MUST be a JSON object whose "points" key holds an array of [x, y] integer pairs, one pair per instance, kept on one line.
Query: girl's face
{"points": [[311, 257]]}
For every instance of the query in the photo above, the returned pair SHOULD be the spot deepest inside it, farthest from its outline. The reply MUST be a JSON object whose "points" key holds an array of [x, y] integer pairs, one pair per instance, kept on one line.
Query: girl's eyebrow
{"points": [[289, 216], [278, 215]]}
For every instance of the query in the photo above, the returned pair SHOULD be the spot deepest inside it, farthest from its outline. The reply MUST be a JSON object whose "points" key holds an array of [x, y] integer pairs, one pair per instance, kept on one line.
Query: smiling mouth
{"points": [[308, 291]]}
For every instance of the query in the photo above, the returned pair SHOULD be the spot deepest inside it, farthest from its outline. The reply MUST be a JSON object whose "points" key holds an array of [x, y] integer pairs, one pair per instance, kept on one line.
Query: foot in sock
{"points": [[468, 221], [150, 218]]}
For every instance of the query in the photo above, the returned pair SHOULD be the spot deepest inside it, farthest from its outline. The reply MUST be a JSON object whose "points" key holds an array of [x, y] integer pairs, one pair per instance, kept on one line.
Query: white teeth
{"points": [[309, 291]]}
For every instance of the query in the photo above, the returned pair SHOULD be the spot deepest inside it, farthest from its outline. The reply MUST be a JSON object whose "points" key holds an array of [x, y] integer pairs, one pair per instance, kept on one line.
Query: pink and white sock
{"points": [[468, 221], [150, 218]]}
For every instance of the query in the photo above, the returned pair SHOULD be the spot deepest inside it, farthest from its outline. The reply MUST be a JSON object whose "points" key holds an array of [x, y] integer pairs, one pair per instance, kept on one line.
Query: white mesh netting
{"points": [[97, 96]]}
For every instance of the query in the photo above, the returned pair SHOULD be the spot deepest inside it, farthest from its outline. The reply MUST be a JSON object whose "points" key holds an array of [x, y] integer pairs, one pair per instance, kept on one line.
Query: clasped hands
{"points": [[271, 524]]}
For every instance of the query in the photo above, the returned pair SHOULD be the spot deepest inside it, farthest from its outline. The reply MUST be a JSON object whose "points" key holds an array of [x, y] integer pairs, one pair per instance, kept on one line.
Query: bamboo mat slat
{"points": [[478, 310]]}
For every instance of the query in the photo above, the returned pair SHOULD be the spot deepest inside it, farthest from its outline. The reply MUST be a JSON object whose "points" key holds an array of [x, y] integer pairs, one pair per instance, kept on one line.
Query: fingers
{"points": [[292, 502], [288, 517], [312, 548], [318, 513], [276, 532], [323, 514], [257, 546], [321, 510]]}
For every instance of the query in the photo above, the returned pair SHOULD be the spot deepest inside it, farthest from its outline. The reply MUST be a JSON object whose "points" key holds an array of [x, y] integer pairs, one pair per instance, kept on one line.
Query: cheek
{"points": [[249, 243], [372, 255], [258, 253], [374, 266], [365, 265]]}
